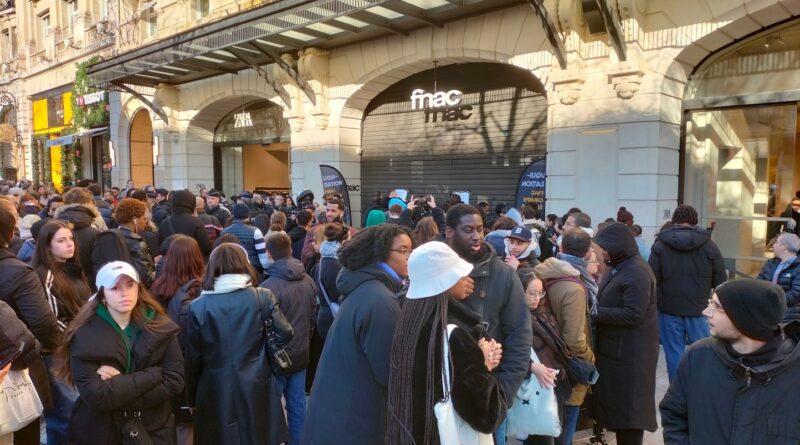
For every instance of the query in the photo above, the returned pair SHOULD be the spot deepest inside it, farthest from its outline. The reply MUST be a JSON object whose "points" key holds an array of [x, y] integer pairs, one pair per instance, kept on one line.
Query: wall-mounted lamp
{"points": [[112, 154], [156, 149]]}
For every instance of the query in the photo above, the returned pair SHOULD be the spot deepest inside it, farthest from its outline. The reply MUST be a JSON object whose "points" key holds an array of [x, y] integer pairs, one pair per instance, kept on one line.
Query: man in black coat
{"points": [[163, 208], [299, 232], [296, 294], [784, 270], [498, 298], [738, 387], [687, 264], [184, 221], [626, 350]]}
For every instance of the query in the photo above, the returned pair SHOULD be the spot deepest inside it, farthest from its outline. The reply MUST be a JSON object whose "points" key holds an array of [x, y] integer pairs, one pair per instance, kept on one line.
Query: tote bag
{"points": [[19, 402], [453, 430], [535, 409]]}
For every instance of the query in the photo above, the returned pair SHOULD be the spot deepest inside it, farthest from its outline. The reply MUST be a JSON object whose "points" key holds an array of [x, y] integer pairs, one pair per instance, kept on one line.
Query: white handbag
{"points": [[535, 409], [453, 430], [19, 402]]}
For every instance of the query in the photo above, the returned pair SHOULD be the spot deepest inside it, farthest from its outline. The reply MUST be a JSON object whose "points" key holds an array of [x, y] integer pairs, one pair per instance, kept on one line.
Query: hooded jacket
{"points": [[789, 281], [626, 350], [348, 401], [105, 210], [715, 400], [184, 222], [499, 300], [141, 256], [12, 337], [296, 294], [569, 304], [687, 264], [82, 219]]}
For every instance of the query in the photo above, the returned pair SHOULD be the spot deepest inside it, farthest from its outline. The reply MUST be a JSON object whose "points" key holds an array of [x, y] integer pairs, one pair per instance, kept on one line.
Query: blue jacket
{"points": [[789, 281], [256, 250]]}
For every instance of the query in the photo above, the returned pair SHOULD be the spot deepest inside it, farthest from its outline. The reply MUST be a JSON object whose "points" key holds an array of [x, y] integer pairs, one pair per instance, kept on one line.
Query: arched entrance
{"points": [[470, 127], [141, 146], [251, 149], [741, 153]]}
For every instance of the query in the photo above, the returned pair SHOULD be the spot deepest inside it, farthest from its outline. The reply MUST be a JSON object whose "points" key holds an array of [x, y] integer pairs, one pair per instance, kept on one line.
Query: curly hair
{"points": [[371, 245], [129, 208], [685, 214]]}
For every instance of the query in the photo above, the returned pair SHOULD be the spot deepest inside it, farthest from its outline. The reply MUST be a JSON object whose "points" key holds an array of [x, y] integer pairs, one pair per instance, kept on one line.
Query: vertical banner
{"points": [[531, 185], [333, 183]]}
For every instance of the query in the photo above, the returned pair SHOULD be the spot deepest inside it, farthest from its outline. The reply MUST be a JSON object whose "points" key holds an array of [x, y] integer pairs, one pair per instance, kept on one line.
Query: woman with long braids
{"points": [[348, 400], [439, 281], [56, 263], [122, 354]]}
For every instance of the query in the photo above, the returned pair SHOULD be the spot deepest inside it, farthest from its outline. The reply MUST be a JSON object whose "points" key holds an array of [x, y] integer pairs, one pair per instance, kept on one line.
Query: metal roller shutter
{"points": [[483, 154]]}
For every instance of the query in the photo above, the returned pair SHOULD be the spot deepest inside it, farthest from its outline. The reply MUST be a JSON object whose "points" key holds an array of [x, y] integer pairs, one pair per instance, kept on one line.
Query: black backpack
{"points": [[110, 246], [177, 313]]}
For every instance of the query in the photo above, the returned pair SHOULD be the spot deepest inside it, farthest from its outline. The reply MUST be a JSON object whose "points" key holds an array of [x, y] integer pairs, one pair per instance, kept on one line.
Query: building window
{"points": [[72, 16], [150, 19], [8, 40], [201, 8], [43, 30]]}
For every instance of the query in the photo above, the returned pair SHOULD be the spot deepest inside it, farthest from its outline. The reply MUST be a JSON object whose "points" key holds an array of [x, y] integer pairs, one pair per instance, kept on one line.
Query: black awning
{"points": [[257, 37]]}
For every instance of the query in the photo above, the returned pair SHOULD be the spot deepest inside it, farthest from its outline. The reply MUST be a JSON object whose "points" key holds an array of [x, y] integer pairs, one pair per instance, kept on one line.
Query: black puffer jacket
{"points": [[687, 264], [713, 402], [184, 222], [626, 350], [142, 258], [325, 272], [82, 218], [13, 335], [296, 294], [789, 281], [154, 378]]}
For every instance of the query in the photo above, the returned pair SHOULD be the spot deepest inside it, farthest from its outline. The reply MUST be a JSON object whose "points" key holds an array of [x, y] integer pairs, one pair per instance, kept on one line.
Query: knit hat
{"points": [[241, 211], [25, 225], [624, 216], [183, 199], [375, 217], [397, 201], [434, 268], [755, 307]]}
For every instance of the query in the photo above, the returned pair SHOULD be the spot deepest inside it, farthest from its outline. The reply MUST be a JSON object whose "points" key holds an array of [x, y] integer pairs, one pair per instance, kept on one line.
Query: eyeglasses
{"points": [[714, 306], [403, 251], [535, 293]]}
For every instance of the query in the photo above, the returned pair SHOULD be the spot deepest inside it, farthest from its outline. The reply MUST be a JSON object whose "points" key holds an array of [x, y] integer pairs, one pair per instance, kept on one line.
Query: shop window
{"points": [[201, 8]]}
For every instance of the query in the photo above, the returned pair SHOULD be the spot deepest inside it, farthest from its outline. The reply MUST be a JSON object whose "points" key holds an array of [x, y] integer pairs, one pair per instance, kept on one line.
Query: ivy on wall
{"points": [[92, 115], [37, 176]]}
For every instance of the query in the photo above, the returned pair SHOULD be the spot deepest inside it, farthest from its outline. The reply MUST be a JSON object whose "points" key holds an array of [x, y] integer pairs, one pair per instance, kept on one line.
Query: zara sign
{"points": [[442, 104]]}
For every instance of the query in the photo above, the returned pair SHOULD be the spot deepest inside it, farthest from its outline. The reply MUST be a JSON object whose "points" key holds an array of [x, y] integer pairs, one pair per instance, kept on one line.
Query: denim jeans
{"points": [[64, 396], [500, 434], [676, 333], [293, 388], [570, 422]]}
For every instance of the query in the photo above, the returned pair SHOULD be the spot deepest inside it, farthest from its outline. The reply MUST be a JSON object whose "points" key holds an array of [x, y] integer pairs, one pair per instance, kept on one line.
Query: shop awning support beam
{"points": [[614, 29], [551, 31], [272, 55], [156, 108], [287, 99]]}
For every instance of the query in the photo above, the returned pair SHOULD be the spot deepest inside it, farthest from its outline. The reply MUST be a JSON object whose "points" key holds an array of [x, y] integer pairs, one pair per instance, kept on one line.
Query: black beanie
{"points": [[183, 199], [755, 307]]}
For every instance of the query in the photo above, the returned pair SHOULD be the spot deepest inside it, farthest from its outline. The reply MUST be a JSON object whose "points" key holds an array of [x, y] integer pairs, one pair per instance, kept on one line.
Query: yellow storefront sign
{"points": [[55, 166]]}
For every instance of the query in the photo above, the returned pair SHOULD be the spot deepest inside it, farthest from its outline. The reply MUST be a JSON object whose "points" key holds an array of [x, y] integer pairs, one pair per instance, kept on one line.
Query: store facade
{"points": [[612, 103]]}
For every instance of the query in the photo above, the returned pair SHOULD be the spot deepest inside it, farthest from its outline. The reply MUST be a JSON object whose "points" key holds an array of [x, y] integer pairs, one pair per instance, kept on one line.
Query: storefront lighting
{"points": [[112, 154], [155, 149]]}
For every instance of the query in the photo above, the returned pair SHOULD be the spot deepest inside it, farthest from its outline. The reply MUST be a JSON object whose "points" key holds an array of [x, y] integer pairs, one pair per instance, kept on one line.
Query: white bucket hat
{"points": [[109, 274], [434, 268]]}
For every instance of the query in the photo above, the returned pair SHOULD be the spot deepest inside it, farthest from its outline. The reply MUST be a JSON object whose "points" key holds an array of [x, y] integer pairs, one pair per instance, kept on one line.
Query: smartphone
{"points": [[13, 357]]}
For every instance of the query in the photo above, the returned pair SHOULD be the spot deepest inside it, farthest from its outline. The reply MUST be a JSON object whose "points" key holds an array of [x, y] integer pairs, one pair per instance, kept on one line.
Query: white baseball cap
{"points": [[434, 268], [109, 274]]}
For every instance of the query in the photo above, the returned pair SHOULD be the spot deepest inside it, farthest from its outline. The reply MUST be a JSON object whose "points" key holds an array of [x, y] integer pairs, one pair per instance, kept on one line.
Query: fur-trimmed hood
{"points": [[80, 215]]}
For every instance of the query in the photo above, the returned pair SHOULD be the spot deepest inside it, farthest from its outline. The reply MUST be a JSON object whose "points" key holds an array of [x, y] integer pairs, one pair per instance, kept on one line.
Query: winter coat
{"points": [[21, 289], [324, 274], [25, 253], [790, 213], [186, 224], [105, 210], [477, 396], [74, 274], [151, 374], [711, 403], [308, 245], [142, 258], [161, 211], [500, 302], [569, 303], [82, 218], [348, 400], [687, 264], [626, 349], [298, 237], [789, 281], [221, 213], [228, 376], [297, 296], [546, 244], [13, 335], [497, 239]]}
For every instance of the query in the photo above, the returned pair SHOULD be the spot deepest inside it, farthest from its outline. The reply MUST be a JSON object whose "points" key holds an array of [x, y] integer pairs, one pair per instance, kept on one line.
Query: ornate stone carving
{"points": [[568, 84], [313, 66], [626, 79]]}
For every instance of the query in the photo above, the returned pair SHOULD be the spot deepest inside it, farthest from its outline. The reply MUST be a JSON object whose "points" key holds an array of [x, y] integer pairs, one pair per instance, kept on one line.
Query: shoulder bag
{"points": [[278, 357], [333, 305], [535, 409], [453, 430], [20, 403]]}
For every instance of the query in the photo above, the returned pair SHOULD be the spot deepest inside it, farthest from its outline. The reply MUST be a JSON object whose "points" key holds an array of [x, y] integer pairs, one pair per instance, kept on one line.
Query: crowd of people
{"points": [[193, 318]]}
